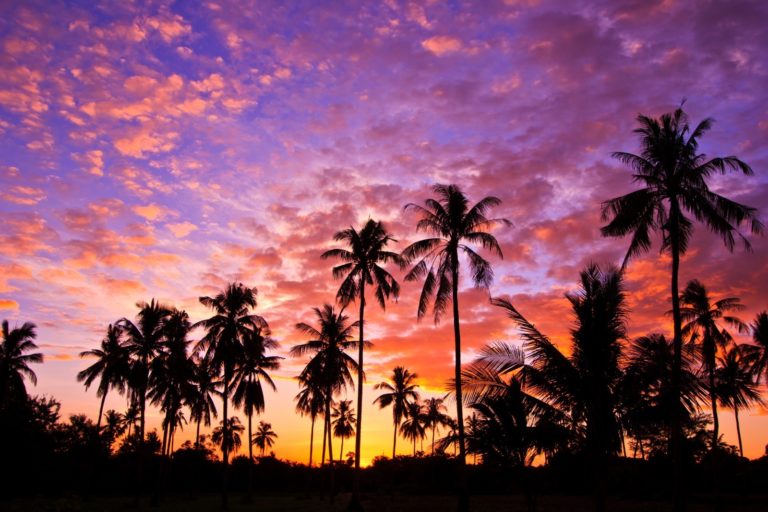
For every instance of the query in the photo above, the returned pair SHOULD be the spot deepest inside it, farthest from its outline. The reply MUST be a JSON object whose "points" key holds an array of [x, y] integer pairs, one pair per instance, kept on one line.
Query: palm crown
{"points": [[14, 363]]}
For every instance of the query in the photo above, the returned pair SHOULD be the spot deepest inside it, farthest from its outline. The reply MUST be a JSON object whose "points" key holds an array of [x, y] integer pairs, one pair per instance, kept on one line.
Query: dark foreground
{"points": [[371, 503]]}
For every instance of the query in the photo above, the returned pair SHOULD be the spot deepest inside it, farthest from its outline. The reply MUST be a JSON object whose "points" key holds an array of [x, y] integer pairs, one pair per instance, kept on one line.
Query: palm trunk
{"points": [[713, 400], [463, 504], [394, 439], [332, 484], [165, 436], [325, 441], [433, 440], [676, 438], [341, 450], [311, 440], [197, 433], [225, 446], [101, 410], [355, 501], [414, 446], [738, 429], [250, 453]]}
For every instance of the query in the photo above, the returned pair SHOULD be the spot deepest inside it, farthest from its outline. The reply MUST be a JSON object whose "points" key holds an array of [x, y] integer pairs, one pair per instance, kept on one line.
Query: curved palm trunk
{"points": [[677, 344], [738, 429], [394, 438], [225, 446], [463, 504], [101, 411], [311, 440], [355, 502]]}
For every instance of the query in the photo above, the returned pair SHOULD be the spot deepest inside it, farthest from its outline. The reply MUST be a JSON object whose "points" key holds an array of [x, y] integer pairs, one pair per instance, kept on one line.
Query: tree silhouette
{"points": [[734, 384], [701, 318], [264, 437], [673, 175], [362, 258], [112, 367], [435, 416], [759, 330], [228, 436], [206, 383], [343, 422], [399, 392], [310, 401], [413, 427], [453, 224], [14, 362]]}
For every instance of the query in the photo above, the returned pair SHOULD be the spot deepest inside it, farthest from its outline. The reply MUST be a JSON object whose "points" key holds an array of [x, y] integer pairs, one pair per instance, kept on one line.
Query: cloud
{"points": [[93, 161], [152, 212], [181, 229], [20, 194], [9, 304], [441, 45]]}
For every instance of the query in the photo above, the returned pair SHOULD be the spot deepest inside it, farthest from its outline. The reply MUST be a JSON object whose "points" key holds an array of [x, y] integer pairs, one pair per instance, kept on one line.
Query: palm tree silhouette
{"points": [[435, 416], [399, 392], [310, 400], [228, 436], [734, 382], [14, 363], [112, 367], [343, 423], [674, 175], [759, 330], [206, 383], [453, 224], [362, 266], [231, 323], [264, 437], [701, 317], [413, 427], [330, 366]]}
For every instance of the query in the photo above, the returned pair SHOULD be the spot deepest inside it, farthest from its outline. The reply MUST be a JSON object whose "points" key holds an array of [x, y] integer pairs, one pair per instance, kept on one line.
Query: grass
{"points": [[371, 503]]}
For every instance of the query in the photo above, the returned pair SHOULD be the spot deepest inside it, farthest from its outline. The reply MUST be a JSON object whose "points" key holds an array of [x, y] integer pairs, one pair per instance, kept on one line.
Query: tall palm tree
{"points": [[435, 416], [413, 427], [206, 384], [330, 366], [673, 175], [735, 385], [264, 437], [223, 342], [112, 367], [228, 436], [701, 317], [343, 423], [14, 363], [143, 341], [310, 401], [453, 224], [399, 392], [759, 330], [362, 258]]}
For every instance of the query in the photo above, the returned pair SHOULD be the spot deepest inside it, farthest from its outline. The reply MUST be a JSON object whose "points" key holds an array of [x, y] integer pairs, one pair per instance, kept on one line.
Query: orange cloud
{"points": [[181, 229], [9, 304], [23, 195], [441, 45]]}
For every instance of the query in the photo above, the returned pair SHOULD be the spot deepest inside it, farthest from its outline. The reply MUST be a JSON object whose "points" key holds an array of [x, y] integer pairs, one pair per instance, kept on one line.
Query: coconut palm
{"points": [[399, 392], [362, 258], [228, 436], [343, 422], [734, 382], [413, 427], [112, 367], [14, 363], [330, 367], [310, 401], [435, 416], [759, 330], [264, 437], [223, 343], [673, 175], [206, 384], [453, 224], [701, 316]]}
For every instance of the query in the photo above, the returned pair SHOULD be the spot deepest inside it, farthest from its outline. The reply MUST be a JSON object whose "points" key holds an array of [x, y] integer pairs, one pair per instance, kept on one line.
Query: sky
{"points": [[164, 149]]}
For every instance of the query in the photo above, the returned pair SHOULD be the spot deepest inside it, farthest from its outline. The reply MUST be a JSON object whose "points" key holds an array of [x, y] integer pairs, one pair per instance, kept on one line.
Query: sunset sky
{"points": [[164, 149]]}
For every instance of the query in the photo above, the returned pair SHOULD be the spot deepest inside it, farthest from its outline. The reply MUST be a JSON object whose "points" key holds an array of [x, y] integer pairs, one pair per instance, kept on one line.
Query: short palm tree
{"points": [[453, 225], [14, 362], [112, 367], [398, 393], [343, 423], [206, 384], [228, 436], [362, 258], [759, 330], [734, 382], [413, 427], [435, 416], [264, 437], [310, 401], [701, 316], [673, 175]]}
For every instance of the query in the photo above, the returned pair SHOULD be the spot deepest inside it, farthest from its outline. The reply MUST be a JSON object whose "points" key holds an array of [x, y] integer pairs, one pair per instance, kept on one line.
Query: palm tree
{"points": [[399, 392], [228, 436], [453, 224], [330, 367], [206, 383], [143, 341], [365, 252], [264, 437], [759, 330], [223, 342], [14, 363], [701, 317], [343, 423], [674, 175], [734, 382], [435, 416], [310, 400], [112, 367], [413, 427]]}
